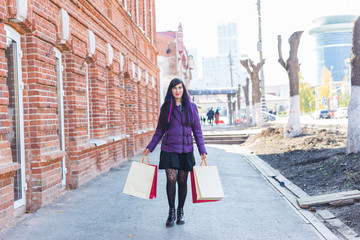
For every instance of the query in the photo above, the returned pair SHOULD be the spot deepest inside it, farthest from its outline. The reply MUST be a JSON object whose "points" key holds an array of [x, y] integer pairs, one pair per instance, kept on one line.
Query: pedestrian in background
{"points": [[217, 116], [210, 116], [178, 118], [201, 120]]}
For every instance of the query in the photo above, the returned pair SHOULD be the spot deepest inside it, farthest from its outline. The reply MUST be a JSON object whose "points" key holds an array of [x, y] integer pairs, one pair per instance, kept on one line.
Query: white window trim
{"points": [[145, 17], [110, 54], [137, 13], [65, 23], [21, 10], [87, 99], [60, 94], [121, 62], [151, 23], [107, 111], [11, 33]]}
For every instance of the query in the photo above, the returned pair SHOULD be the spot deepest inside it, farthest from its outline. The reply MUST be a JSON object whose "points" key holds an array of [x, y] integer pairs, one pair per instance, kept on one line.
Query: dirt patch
{"points": [[315, 161]]}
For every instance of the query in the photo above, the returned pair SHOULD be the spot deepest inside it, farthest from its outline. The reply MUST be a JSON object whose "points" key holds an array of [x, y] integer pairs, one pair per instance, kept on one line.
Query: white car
{"points": [[341, 112]]}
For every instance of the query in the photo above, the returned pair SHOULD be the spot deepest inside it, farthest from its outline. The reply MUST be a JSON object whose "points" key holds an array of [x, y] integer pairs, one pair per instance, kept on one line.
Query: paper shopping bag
{"points": [[207, 182], [141, 180], [193, 191], [154, 184]]}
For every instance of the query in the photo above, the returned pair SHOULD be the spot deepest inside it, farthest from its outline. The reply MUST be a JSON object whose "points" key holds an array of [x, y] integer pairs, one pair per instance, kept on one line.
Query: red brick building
{"points": [[79, 94], [173, 58]]}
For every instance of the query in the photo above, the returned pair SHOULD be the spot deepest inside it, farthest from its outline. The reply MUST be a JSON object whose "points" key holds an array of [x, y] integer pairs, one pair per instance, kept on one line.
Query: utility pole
{"points": [[239, 102], [231, 71], [259, 48]]}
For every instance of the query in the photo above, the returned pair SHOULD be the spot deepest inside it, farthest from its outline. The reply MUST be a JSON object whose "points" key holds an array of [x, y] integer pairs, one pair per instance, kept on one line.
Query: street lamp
{"points": [[231, 69]]}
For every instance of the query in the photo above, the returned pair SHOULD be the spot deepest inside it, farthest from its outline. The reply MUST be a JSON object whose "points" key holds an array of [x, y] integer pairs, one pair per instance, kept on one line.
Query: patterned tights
{"points": [[173, 175]]}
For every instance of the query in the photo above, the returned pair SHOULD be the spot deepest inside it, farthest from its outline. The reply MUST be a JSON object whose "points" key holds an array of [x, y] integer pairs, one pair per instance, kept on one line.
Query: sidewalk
{"points": [[251, 209]]}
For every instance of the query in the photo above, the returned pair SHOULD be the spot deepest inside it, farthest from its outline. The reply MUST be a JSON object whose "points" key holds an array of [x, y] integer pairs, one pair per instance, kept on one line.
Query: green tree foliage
{"points": [[344, 100], [307, 98], [324, 89]]}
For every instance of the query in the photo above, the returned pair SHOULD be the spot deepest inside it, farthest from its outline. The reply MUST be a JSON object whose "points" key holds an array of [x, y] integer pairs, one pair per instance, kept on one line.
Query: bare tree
{"points": [[247, 102], [254, 76], [292, 67], [353, 134]]}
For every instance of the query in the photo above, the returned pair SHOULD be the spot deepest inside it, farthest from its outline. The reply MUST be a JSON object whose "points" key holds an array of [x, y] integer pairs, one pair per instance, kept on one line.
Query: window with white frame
{"points": [[60, 110], [87, 99], [107, 108], [15, 87]]}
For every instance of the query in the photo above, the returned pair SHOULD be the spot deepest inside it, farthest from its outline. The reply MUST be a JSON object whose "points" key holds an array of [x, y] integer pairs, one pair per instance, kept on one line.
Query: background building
{"points": [[227, 39], [224, 70], [333, 45], [78, 94], [196, 81], [173, 59], [333, 36]]}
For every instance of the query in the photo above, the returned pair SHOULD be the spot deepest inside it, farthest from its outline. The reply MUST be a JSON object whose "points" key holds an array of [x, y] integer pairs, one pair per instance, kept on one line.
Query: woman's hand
{"points": [[146, 152], [203, 155]]}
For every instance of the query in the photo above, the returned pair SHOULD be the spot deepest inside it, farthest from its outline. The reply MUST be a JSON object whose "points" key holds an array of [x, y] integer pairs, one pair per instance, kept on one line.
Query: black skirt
{"points": [[180, 161]]}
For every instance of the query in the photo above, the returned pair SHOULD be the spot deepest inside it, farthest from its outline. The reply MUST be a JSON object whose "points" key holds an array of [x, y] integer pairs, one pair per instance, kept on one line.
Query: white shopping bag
{"points": [[140, 180], [207, 182]]}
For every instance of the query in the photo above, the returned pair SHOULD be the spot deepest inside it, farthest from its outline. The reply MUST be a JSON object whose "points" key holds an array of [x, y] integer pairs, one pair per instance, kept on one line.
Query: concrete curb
{"points": [[291, 192]]}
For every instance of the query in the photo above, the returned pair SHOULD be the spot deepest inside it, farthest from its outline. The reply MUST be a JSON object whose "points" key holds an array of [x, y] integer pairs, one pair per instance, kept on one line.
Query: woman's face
{"points": [[177, 91]]}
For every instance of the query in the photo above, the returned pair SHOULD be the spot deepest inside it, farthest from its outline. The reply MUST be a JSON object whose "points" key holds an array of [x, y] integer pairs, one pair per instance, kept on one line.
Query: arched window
{"points": [[87, 100], [60, 111]]}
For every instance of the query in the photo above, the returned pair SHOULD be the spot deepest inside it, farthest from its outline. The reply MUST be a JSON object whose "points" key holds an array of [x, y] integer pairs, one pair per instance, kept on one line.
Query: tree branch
{"points": [[245, 64], [259, 65], [280, 60], [252, 64]]}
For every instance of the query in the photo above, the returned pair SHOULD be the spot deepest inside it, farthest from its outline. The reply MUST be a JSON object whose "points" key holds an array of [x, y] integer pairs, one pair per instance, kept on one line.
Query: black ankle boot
{"points": [[180, 216], [171, 218]]}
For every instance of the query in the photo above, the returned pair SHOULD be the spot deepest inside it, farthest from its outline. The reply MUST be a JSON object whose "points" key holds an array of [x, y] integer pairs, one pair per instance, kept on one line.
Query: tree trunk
{"points": [[353, 135], [247, 102], [254, 76], [293, 126]]}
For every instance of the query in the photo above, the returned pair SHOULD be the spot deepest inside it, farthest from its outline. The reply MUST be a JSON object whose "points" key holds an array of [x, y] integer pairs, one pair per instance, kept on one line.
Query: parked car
{"points": [[321, 114], [324, 114], [341, 112]]}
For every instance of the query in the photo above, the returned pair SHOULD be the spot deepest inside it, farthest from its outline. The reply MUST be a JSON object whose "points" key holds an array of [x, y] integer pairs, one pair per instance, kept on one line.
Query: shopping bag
{"points": [[154, 184], [141, 180], [193, 191], [207, 182]]}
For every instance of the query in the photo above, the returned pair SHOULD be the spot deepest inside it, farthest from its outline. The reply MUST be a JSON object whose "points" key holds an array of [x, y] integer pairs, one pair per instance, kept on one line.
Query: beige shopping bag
{"points": [[207, 182], [139, 181]]}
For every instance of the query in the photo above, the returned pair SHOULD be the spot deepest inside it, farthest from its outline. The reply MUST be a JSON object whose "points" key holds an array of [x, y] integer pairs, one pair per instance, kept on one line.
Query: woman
{"points": [[217, 116], [178, 118]]}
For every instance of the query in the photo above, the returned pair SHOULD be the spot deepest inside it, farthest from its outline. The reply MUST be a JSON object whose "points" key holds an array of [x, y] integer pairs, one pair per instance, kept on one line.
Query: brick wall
{"points": [[109, 115]]}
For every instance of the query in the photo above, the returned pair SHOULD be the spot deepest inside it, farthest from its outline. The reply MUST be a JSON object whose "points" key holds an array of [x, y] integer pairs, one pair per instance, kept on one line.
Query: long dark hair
{"points": [[167, 109]]}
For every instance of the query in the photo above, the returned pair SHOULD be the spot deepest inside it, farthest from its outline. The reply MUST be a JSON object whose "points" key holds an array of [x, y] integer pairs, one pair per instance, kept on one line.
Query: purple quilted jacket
{"points": [[178, 138]]}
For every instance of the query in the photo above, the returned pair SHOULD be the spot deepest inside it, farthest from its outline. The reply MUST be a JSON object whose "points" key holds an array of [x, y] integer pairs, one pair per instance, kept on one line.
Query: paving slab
{"points": [[251, 209]]}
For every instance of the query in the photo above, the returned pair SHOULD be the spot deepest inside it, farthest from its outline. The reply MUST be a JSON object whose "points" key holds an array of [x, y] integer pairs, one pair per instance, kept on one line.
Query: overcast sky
{"points": [[200, 19]]}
